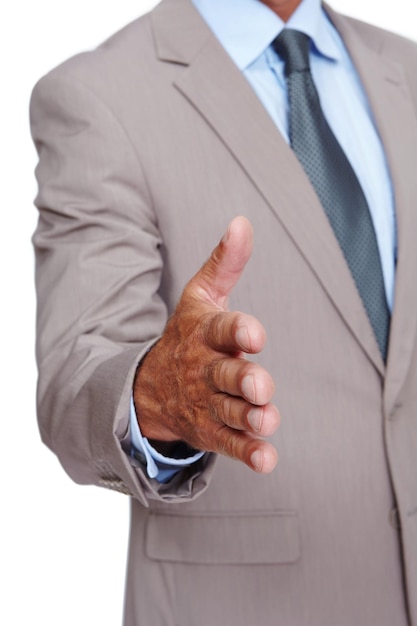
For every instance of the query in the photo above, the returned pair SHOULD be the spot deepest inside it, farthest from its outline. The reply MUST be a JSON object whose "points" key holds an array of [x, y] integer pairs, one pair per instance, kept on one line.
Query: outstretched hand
{"points": [[196, 385]]}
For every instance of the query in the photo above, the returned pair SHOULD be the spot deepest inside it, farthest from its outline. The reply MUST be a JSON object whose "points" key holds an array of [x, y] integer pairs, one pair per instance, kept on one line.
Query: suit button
{"points": [[115, 484], [394, 518]]}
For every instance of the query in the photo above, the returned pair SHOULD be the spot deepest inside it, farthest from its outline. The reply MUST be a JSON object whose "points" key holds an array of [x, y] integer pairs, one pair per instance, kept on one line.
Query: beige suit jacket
{"points": [[148, 147]]}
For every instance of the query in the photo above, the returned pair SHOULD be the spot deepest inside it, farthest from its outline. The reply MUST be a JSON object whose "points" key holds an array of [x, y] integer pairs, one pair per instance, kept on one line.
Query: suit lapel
{"points": [[213, 85], [395, 116]]}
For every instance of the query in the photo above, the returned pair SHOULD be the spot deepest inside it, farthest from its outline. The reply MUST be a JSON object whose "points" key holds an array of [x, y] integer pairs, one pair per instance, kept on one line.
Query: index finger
{"points": [[234, 332]]}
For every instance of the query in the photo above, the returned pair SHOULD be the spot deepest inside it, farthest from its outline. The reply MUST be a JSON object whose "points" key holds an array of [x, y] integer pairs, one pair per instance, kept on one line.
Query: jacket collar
{"points": [[226, 101]]}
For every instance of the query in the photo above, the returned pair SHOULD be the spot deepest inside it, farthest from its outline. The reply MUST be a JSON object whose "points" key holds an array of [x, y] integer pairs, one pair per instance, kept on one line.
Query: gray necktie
{"points": [[334, 180]]}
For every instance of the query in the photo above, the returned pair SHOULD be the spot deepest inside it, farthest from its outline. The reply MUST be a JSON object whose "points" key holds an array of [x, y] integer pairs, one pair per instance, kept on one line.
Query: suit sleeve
{"points": [[98, 270]]}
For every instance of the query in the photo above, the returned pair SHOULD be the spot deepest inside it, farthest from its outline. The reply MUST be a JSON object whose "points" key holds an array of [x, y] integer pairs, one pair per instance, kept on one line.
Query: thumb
{"points": [[222, 270]]}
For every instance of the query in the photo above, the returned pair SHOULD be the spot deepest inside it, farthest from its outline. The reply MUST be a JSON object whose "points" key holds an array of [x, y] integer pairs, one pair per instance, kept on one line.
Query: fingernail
{"points": [[255, 419], [257, 460], [242, 337], [248, 387], [226, 235]]}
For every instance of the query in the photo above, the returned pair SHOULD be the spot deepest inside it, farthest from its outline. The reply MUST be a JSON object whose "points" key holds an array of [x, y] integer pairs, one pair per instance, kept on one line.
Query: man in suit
{"points": [[149, 147]]}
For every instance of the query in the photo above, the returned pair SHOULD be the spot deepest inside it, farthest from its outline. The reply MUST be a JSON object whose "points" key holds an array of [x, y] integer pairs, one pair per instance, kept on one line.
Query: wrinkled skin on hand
{"points": [[196, 384]]}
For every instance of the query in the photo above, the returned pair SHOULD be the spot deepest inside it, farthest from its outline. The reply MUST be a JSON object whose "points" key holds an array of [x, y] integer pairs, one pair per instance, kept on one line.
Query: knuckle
{"points": [[225, 441], [220, 408], [217, 408], [231, 411], [212, 374], [214, 326]]}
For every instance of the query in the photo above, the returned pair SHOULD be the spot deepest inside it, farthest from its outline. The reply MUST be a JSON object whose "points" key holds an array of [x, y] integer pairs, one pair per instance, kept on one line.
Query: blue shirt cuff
{"points": [[157, 465]]}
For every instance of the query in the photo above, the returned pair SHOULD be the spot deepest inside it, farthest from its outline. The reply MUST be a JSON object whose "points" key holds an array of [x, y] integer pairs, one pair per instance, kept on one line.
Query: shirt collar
{"points": [[245, 28]]}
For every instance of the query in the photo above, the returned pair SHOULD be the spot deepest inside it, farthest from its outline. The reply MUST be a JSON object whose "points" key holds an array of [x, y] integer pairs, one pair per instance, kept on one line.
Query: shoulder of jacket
{"points": [[387, 41], [130, 45]]}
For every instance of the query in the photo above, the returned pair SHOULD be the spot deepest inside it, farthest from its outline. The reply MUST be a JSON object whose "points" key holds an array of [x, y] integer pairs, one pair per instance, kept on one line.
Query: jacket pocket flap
{"points": [[223, 539]]}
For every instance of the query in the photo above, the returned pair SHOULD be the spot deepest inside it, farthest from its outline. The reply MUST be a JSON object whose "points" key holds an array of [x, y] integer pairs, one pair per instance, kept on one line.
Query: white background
{"points": [[63, 547]]}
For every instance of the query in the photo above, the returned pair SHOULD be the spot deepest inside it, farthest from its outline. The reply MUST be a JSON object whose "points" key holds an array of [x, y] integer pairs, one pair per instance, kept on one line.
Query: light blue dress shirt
{"points": [[246, 28]]}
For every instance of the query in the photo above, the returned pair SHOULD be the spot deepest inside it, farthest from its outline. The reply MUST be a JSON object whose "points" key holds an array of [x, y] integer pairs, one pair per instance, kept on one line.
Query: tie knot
{"points": [[293, 47]]}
